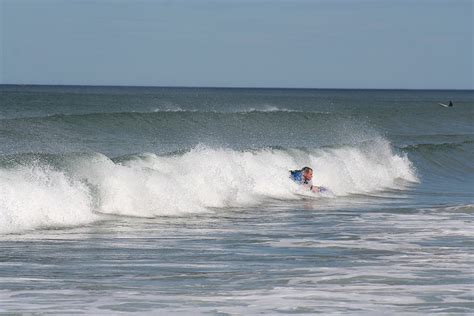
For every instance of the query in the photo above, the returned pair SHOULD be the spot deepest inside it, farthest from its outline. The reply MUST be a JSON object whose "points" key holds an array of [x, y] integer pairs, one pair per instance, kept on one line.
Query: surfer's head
{"points": [[307, 173]]}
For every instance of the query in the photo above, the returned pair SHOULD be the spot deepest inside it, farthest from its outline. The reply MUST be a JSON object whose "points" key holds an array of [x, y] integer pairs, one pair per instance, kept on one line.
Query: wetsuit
{"points": [[297, 176]]}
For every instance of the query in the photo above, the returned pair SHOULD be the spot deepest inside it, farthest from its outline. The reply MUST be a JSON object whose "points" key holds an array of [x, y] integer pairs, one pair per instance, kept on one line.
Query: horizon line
{"points": [[228, 87]]}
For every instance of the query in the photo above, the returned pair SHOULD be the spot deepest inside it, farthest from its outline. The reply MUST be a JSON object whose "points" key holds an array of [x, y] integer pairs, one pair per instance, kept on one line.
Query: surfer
{"points": [[449, 105], [304, 177]]}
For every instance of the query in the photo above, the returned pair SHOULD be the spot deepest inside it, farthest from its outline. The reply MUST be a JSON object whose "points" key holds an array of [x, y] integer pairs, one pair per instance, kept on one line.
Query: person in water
{"points": [[304, 177]]}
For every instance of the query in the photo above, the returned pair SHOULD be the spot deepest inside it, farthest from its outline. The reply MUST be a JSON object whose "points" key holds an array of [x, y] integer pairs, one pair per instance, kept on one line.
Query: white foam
{"points": [[32, 197], [263, 108], [172, 109], [268, 108], [362, 170], [197, 181], [206, 177]]}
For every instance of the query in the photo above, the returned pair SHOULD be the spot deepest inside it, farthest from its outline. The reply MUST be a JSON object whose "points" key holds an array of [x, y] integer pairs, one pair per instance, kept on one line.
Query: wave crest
{"points": [[72, 190], [39, 196]]}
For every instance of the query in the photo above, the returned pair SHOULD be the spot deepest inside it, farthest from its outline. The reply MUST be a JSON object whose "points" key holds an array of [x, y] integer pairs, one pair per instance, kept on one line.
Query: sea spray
{"points": [[39, 196], [364, 169], [74, 189]]}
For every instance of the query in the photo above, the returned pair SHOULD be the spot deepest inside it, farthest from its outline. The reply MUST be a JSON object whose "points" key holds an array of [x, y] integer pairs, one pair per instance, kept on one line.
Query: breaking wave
{"points": [[39, 190]]}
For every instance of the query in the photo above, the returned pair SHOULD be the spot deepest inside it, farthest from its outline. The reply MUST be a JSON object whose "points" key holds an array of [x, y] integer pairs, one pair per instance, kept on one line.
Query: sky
{"points": [[379, 44]]}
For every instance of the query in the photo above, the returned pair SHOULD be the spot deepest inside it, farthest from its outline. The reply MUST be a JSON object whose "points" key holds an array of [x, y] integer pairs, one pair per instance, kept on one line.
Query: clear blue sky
{"points": [[414, 44]]}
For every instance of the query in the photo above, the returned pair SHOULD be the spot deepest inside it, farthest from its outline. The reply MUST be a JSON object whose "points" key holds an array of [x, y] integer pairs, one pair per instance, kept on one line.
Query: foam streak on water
{"points": [[277, 260]]}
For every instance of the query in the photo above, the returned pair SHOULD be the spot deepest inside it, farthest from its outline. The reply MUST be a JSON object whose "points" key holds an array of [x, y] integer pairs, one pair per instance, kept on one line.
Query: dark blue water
{"points": [[177, 200]]}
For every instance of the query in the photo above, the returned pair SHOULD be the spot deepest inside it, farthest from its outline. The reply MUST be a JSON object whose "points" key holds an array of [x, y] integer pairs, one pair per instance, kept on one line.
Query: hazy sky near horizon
{"points": [[413, 44]]}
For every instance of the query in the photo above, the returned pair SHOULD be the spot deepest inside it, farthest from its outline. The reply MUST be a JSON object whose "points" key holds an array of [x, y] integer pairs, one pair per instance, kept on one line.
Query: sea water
{"points": [[177, 200]]}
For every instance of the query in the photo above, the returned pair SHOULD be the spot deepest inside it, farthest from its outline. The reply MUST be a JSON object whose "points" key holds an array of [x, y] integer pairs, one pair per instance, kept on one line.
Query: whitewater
{"points": [[178, 200], [74, 189]]}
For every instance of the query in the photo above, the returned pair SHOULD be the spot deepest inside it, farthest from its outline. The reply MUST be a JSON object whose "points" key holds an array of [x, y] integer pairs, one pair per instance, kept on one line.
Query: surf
{"points": [[40, 190]]}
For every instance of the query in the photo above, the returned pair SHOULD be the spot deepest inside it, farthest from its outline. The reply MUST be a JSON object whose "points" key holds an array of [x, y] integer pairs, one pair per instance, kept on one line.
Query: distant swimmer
{"points": [[304, 177], [449, 105]]}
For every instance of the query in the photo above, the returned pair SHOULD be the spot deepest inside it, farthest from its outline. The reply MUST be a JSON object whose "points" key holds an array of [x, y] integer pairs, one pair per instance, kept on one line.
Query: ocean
{"points": [[178, 201]]}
